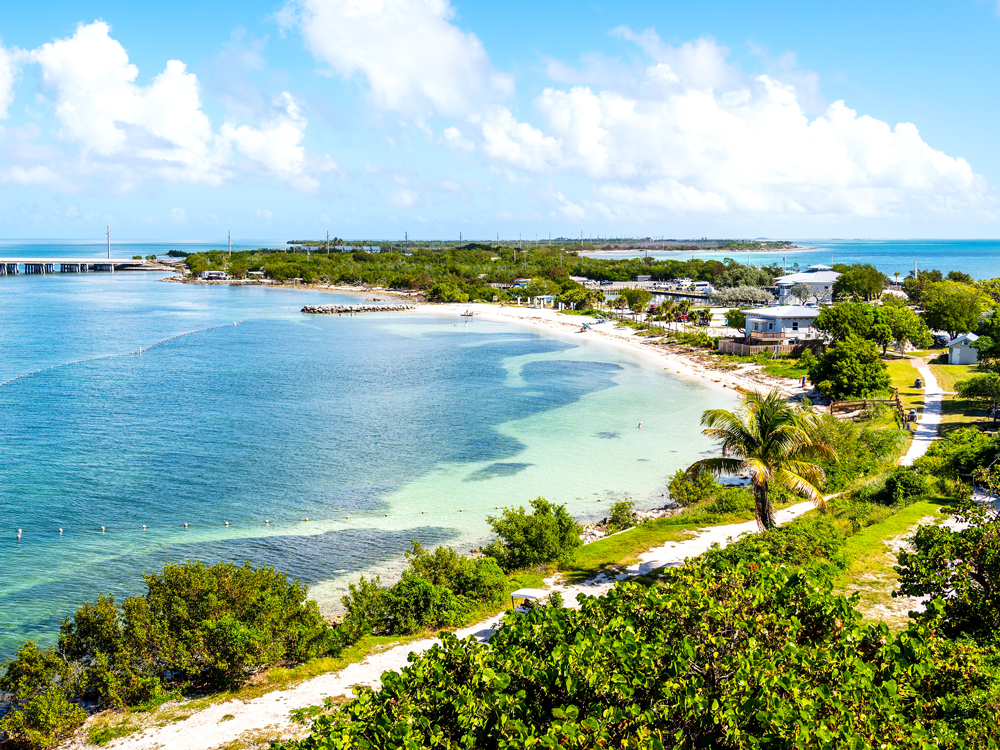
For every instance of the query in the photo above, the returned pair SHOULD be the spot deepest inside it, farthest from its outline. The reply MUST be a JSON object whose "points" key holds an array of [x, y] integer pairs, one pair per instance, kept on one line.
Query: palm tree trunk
{"points": [[762, 508]]}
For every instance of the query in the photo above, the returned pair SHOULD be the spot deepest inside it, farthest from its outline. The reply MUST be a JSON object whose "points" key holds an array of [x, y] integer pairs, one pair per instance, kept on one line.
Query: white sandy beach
{"points": [[683, 361]]}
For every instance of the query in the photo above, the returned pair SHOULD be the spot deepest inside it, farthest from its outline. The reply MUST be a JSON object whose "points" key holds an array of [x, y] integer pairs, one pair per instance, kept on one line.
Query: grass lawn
{"points": [[902, 376], [955, 413], [622, 550], [871, 560]]}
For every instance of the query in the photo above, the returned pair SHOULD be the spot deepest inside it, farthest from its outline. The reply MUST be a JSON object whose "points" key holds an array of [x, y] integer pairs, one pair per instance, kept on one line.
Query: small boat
{"points": [[467, 314]]}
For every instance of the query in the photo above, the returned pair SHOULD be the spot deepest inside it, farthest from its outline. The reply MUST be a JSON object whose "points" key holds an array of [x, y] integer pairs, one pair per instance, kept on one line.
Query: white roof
{"points": [[809, 277], [970, 337], [530, 594], [782, 311]]}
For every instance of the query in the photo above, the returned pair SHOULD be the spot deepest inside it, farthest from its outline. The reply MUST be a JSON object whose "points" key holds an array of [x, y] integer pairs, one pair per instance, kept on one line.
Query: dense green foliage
{"points": [[525, 539], [196, 624], [622, 516], [890, 322], [850, 368], [751, 656], [452, 272], [859, 280], [741, 295], [959, 569], [957, 454], [437, 589], [952, 306], [863, 448]]}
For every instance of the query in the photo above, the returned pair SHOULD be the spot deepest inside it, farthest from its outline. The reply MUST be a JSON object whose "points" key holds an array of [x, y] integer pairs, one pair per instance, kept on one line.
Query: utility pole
{"points": [[406, 236], [327, 243], [230, 241], [459, 238], [109, 245]]}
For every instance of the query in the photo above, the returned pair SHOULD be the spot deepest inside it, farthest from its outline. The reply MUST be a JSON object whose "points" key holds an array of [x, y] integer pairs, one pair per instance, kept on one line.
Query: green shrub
{"points": [[905, 484], [808, 542], [547, 534], [959, 453], [42, 686], [685, 490], [478, 579], [211, 624], [622, 516], [728, 500]]}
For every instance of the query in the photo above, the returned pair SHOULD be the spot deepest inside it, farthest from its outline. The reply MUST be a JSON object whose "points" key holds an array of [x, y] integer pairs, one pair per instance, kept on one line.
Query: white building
{"points": [[214, 275], [961, 352], [781, 323], [819, 278]]}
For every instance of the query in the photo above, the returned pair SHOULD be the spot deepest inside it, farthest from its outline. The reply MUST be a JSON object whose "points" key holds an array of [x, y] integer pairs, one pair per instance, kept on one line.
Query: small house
{"points": [[780, 323], [642, 278], [961, 351], [819, 278], [214, 275]]}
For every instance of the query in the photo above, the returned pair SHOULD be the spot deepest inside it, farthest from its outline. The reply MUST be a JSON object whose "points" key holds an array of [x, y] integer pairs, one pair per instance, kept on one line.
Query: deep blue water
{"points": [[414, 426], [979, 258]]}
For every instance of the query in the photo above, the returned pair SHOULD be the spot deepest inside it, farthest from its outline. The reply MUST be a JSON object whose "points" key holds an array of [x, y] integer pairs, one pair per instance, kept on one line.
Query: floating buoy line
{"points": [[235, 526], [138, 351], [184, 525]]}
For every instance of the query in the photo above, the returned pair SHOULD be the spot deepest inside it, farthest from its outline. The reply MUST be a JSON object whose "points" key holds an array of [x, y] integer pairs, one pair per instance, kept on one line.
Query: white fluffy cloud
{"points": [[100, 108], [116, 129], [696, 135], [277, 145], [413, 57]]}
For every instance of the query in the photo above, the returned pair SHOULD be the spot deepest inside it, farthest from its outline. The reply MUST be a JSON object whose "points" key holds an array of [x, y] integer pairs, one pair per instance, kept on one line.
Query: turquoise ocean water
{"points": [[415, 427], [979, 258]]}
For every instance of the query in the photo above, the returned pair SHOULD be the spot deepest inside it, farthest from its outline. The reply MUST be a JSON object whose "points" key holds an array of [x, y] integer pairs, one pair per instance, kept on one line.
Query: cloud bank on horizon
{"points": [[687, 133]]}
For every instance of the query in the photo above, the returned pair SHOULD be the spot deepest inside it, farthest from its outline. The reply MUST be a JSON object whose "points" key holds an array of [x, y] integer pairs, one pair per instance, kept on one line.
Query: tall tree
{"points": [[846, 319], [952, 307], [850, 369], [771, 442], [859, 280], [983, 389]]}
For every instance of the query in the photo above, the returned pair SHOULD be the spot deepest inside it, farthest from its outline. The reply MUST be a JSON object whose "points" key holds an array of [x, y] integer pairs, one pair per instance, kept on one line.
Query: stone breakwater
{"points": [[341, 309]]}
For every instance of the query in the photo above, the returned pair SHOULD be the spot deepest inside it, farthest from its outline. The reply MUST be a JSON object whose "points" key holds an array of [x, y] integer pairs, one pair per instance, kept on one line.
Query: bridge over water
{"points": [[16, 266]]}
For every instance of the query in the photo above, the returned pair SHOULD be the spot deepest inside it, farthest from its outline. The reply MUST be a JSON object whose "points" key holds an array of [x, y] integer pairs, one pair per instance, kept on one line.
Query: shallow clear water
{"points": [[978, 258], [415, 426]]}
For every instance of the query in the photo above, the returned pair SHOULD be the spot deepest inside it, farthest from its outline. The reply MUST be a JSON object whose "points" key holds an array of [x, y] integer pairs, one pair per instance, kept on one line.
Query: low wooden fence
{"points": [[846, 407], [743, 349]]}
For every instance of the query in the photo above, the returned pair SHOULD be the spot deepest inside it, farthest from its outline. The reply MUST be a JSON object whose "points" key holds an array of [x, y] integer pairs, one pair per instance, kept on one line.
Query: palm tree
{"points": [[772, 442]]}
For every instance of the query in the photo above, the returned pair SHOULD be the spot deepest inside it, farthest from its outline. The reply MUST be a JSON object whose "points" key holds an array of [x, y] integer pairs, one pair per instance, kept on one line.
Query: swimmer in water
{"points": [[640, 425]]}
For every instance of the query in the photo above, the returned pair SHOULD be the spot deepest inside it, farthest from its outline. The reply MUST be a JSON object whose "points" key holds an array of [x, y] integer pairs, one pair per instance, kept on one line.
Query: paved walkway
{"points": [[927, 427]]}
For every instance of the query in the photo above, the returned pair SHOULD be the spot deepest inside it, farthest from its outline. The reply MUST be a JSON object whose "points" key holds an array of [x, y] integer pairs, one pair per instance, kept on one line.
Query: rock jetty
{"points": [[330, 309]]}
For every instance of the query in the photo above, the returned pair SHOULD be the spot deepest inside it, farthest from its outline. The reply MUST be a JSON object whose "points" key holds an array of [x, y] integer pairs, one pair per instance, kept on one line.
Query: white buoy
{"points": [[423, 512], [102, 529], [266, 520], [185, 526], [60, 531], [227, 523], [385, 515], [144, 527]]}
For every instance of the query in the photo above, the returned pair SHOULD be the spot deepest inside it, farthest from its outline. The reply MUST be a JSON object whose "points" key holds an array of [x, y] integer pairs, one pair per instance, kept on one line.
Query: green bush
{"points": [[809, 542], [196, 623], [959, 453], [621, 517], [904, 485], [446, 291], [437, 589], [547, 534], [41, 685], [685, 490], [727, 500]]}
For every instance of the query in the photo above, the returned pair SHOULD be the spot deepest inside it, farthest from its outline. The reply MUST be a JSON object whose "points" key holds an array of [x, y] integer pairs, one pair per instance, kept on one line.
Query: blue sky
{"points": [[374, 118]]}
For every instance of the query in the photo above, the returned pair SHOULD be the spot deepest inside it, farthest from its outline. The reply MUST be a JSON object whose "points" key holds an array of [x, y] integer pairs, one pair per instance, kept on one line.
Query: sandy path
{"points": [[927, 427], [207, 729]]}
